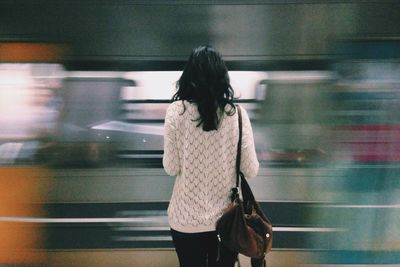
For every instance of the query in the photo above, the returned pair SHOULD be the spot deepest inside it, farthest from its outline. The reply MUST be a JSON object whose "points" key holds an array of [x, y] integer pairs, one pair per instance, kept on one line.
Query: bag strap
{"points": [[239, 147]]}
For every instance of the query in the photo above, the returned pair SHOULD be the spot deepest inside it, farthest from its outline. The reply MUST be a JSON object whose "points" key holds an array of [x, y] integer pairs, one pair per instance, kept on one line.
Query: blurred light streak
{"points": [[130, 127], [164, 86], [150, 219], [341, 206], [299, 76]]}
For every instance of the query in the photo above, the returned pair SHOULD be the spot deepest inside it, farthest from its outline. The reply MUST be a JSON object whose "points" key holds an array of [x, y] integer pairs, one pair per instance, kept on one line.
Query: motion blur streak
{"points": [[30, 52], [28, 116], [84, 87], [22, 190], [327, 144], [365, 137]]}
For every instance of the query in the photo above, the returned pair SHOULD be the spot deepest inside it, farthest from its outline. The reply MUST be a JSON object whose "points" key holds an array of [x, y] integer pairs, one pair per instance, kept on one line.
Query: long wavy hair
{"points": [[205, 81]]}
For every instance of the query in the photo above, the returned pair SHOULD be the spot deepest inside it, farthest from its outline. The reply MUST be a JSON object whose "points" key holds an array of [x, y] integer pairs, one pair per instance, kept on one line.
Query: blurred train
{"points": [[83, 94], [103, 141]]}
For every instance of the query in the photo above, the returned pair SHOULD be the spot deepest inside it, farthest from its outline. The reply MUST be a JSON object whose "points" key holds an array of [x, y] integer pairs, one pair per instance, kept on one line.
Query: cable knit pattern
{"points": [[204, 165]]}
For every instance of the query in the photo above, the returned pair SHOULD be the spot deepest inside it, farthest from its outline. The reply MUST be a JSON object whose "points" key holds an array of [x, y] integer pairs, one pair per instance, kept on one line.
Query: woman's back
{"points": [[204, 163]]}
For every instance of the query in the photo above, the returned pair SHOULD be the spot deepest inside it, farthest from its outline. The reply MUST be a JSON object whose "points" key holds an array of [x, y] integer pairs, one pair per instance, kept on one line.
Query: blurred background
{"points": [[84, 86]]}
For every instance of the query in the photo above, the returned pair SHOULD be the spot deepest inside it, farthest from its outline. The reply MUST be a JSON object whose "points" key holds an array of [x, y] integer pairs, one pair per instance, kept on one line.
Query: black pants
{"points": [[201, 249]]}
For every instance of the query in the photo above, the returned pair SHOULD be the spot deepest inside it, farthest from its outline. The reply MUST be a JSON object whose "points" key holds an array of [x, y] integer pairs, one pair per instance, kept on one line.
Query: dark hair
{"points": [[205, 81]]}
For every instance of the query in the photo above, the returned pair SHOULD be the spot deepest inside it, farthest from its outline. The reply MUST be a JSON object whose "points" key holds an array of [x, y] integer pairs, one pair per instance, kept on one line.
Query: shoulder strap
{"points": [[239, 148], [241, 181]]}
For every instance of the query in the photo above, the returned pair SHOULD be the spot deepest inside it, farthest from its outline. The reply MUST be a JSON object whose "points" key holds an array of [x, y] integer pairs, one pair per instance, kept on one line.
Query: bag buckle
{"points": [[234, 193]]}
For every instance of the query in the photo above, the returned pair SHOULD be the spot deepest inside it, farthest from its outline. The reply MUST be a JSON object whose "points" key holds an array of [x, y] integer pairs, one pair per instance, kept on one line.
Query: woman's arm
{"points": [[249, 164], [171, 156]]}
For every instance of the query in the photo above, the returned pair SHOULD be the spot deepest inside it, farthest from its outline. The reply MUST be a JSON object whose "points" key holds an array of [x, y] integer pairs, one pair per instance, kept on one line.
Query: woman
{"points": [[200, 143]]}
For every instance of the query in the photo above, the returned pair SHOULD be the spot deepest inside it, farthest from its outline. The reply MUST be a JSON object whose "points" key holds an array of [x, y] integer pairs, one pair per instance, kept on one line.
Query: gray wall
{"points": [[125, 30]]}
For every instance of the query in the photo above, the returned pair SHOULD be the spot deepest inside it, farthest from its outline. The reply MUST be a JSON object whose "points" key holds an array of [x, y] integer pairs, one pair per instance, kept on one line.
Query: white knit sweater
{"points": [[204, 165]]}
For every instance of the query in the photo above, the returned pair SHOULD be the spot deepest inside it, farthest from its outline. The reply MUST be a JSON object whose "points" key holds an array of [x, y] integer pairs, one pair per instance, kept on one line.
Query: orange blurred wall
{"points": [[22, 192]]}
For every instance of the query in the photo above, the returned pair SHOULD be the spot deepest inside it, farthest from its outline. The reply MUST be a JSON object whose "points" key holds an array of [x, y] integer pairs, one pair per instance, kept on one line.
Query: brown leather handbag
{"points": [[243, 227]]}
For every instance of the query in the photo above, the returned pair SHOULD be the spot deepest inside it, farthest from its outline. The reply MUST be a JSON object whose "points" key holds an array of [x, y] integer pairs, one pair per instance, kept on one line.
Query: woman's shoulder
{"points": [[174, 107], [179, 106], [243, 111]]}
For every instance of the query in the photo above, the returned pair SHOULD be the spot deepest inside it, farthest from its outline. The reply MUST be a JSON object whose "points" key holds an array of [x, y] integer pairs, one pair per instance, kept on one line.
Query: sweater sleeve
{"points": [[171, 157], [249, 163]]}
